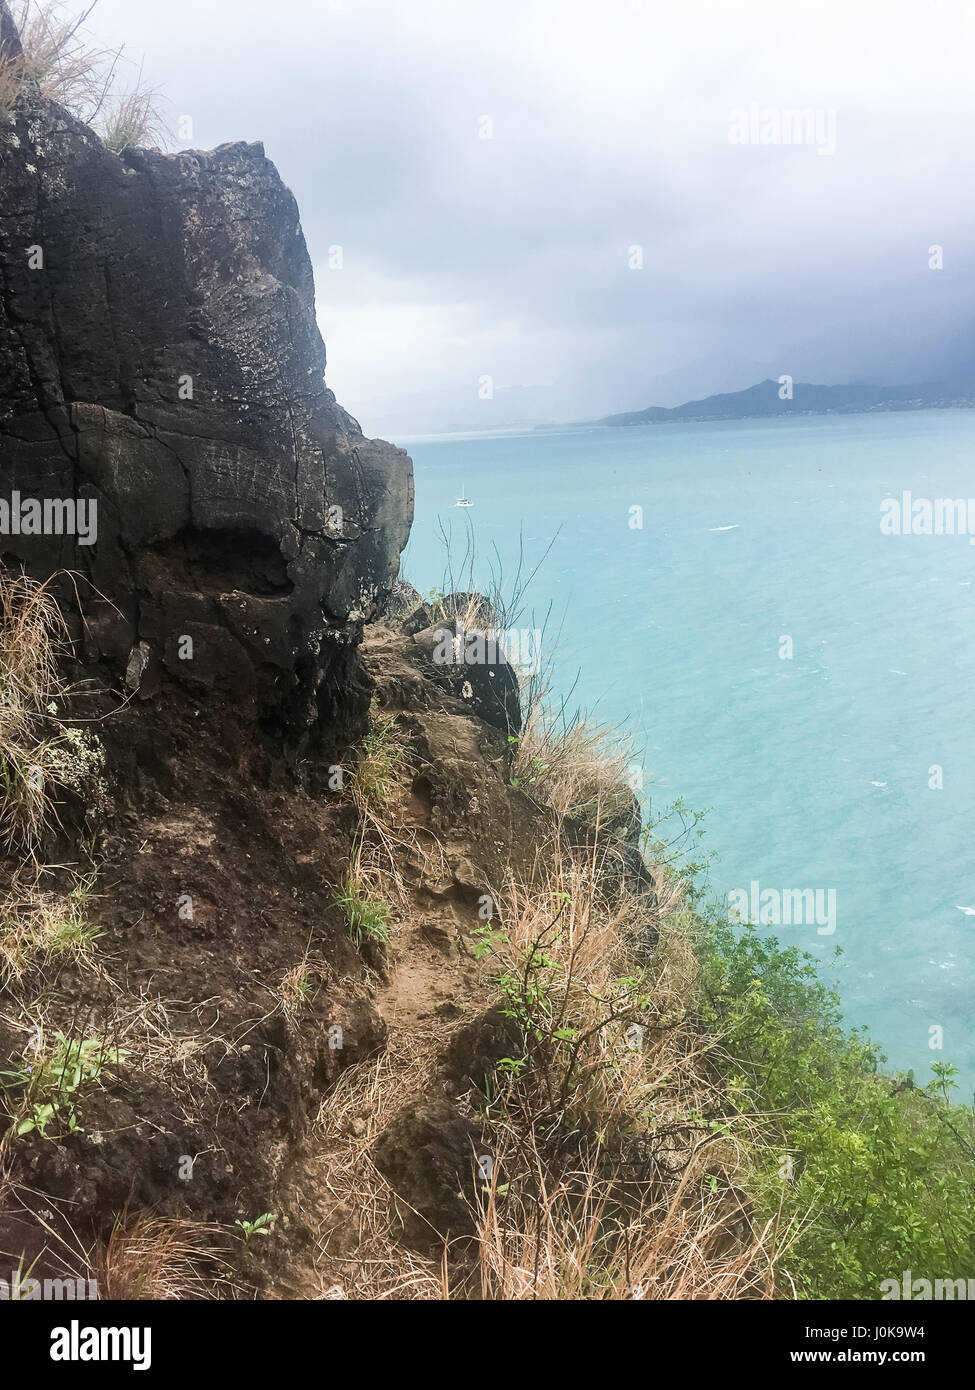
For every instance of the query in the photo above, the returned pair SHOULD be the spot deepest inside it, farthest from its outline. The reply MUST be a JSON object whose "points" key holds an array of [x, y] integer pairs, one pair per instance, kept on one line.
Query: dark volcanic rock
{"points": [[430, 1154], [159, 355], [470, 663]]}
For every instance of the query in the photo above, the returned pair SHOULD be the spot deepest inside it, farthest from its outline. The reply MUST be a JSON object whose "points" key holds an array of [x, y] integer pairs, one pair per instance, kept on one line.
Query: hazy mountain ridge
{"points": [[763, 400]]}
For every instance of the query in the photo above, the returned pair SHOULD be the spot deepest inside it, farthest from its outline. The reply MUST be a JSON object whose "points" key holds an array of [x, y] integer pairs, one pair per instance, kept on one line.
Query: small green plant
{"points": [[45, 1092], [368, 920], [667, 840], [260, 1226], [487, 941], [385, 754], [944, 1080], [527, 993], [297, 986], [534, 772], [72, 934], [512, 1066], [22, 1279]]}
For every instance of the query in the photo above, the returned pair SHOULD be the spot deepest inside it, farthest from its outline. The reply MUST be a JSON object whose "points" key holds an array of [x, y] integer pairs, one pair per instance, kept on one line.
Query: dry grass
{"points": [[603, 1028], [32, 638], [347, 1202], [382, 775], [133, 119], [40, 756], [580, 1235], [56, 56], [161, 1258], [578, 769], [38, 926], [617, 1174], [612, 1177], [574, 1238], [300, 985], [179, 1043], [146, 1257], [472, 611], [11, 84], [69, 69]]}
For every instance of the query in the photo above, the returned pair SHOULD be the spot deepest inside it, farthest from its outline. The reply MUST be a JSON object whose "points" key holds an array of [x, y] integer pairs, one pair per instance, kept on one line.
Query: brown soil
{"points": [[360, 1150]]}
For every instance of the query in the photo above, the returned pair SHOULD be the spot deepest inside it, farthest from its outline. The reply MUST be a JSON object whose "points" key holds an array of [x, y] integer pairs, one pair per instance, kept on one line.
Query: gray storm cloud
{"points": [[512, 256]]}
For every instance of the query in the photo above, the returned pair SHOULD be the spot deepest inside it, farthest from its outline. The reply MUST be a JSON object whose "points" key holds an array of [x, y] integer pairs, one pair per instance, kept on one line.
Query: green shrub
{"points": [[871, 1174]]}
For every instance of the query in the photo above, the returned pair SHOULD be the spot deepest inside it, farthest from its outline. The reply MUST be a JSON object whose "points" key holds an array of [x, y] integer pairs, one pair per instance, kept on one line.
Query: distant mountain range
{"points": [[764, 399]]}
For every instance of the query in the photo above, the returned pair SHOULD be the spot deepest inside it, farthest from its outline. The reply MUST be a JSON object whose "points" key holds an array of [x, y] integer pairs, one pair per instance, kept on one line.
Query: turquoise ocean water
{"points": [[816, 768]]}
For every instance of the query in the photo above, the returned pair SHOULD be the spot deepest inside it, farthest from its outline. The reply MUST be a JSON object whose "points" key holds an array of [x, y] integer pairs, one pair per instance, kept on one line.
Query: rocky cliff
{"points": [[161, 359], [217, 533], [413, 1020], [260, 966]]}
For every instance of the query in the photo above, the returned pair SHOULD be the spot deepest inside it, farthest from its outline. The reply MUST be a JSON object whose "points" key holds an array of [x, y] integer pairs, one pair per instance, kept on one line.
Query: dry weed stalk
{"points": [[32, 639], [162, 1258], [572, 1237], [363, 1103], [68, 69]]}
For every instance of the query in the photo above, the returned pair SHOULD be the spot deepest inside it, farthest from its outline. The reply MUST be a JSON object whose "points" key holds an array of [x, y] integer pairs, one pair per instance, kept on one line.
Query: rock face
{"points": [[159, 356]]}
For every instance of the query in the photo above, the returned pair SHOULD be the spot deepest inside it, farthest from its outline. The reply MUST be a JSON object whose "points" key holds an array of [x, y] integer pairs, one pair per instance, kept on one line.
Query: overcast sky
{"points": [[509, 257]]}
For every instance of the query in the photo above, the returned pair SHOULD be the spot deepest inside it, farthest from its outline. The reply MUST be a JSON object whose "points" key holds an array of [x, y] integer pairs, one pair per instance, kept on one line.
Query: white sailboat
{"points": [[463, 500]]}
